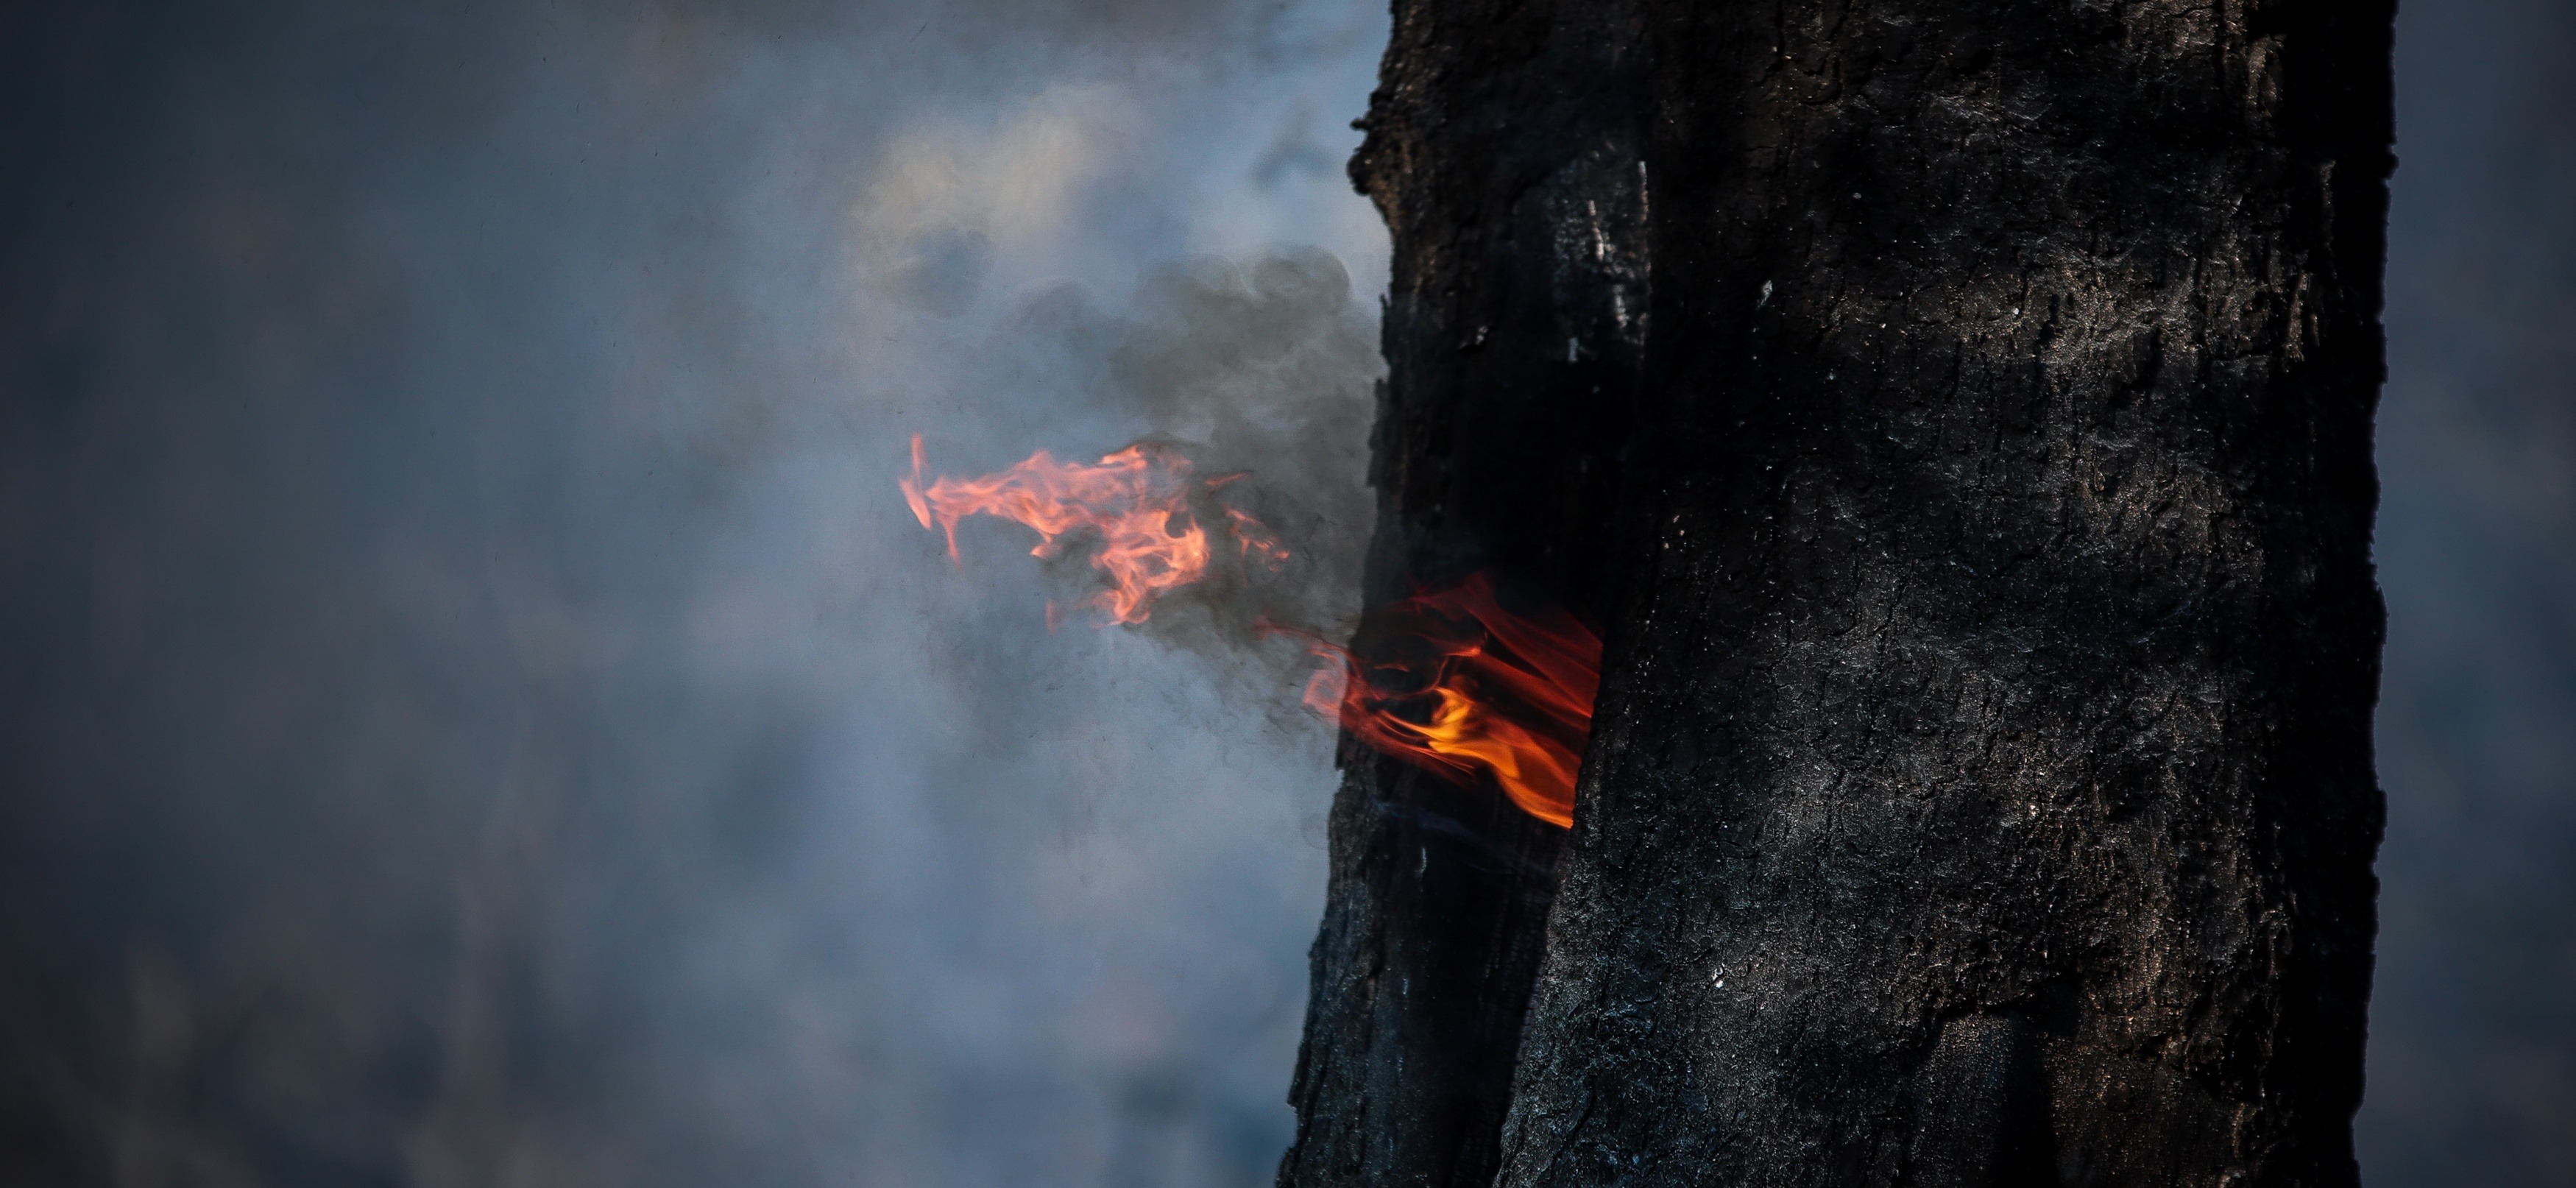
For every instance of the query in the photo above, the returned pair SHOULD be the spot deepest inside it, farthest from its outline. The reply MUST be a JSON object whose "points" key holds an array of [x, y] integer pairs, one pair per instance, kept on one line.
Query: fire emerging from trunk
{"points": [[1469, 689], [1139, 500], [1455, 682]]}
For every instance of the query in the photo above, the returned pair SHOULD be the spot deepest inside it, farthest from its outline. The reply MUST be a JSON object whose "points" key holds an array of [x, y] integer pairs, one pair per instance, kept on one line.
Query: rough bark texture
{"points": [[1967, 436], [1498, 449]]}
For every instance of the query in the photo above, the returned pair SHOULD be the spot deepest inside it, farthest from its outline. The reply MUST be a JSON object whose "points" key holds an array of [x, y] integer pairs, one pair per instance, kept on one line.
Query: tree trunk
{"points": [[1512, 359], [1959, 415]]}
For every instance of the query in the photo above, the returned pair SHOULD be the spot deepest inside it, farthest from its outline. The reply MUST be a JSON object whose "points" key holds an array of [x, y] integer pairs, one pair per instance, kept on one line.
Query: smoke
{"points": [[479, 711], [1257, 372], [2473, 1021]]}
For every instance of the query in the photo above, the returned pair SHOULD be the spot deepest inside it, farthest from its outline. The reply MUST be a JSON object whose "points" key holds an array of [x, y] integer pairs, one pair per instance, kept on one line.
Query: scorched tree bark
{"points": [[1958, 414]]}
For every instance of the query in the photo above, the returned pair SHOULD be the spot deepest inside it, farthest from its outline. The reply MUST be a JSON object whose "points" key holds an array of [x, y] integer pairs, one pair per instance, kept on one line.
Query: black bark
{"points": [[1512, 361], [1959, 415], [1510, 367]]}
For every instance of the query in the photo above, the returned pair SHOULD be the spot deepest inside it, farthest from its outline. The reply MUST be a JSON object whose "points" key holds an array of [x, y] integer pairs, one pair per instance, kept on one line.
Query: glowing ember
{"points": [[1483, 690], [1137, 500]]}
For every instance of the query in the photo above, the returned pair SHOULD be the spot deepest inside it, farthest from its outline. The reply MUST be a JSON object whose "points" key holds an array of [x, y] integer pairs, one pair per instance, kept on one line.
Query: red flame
{"points": [[1487, 691], [1137, 499]]}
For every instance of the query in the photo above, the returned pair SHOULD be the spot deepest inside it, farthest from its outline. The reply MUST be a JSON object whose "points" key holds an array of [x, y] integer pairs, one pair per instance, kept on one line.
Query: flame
{"points": [[1256, 541], [1138, 500], [1475, 689], [1486, 690]]}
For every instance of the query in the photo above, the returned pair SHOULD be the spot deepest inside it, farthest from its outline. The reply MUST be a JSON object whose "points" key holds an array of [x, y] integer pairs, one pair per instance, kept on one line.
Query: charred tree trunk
{"points": [[1512, 359], [1959, 415]]}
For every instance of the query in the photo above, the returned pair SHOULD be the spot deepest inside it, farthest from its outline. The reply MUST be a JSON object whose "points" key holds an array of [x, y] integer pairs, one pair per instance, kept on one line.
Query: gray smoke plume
{"points": [[479, 711], [1261, 365], [1257, 372]]}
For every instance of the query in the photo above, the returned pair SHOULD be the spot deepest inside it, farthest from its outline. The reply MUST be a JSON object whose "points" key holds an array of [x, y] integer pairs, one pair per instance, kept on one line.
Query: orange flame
{"points": [[1256, 541], [1491, 691], [1137, 499]]}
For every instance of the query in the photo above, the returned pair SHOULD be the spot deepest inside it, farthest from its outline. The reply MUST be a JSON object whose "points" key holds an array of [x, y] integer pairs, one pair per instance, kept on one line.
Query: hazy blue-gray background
{"points": [[474, 709]]}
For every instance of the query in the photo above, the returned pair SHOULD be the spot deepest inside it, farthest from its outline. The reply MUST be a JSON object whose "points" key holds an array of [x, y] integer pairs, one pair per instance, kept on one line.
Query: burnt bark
{"points": [[1512, 360], [1958, 414]]}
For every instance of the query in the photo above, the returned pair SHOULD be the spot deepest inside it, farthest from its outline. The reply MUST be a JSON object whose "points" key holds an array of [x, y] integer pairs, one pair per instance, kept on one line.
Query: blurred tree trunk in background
{"points": [[1959, 416]]}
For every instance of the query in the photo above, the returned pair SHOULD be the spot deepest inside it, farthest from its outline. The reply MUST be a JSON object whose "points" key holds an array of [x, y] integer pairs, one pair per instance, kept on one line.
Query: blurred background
{"points": [[475, 710]]}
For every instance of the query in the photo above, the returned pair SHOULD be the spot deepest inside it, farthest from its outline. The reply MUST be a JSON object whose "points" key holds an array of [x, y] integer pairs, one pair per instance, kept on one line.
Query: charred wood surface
{"points": [[1959, 417], [1503, 425]]}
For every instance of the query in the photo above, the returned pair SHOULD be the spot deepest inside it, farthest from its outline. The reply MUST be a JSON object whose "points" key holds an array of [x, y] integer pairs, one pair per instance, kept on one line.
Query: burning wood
{"points": [[1466, 689], [1474, 689]]}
